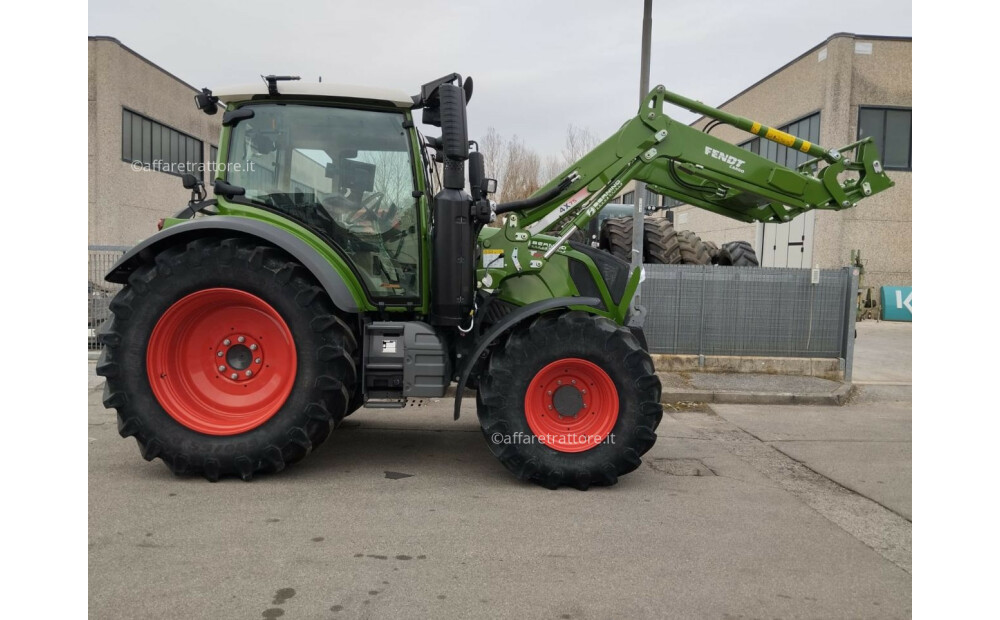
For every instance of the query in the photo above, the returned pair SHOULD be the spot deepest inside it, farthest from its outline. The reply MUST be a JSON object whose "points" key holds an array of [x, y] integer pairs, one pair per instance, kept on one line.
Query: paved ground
{"points": [[738, 511]]}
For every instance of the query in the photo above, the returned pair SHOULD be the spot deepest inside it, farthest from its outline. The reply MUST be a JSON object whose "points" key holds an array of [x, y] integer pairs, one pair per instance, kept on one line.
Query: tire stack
{"points": [[664, 245]]}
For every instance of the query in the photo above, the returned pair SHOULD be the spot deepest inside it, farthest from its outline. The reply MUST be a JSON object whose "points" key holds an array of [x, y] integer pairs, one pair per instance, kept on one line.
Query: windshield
{"points": [[346, 174]]}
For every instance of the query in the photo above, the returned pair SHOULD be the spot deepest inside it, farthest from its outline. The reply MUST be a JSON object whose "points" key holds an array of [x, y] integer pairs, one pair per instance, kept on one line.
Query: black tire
{"points": [[738, 254], [549, 338], [323, 383], [713, 250], [660, 244], [693, 250], [579, 236], [616, 237]]}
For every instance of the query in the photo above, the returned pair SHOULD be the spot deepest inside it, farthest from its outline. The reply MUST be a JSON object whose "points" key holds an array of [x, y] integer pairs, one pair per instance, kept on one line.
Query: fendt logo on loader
{"points": [[734, 162]]}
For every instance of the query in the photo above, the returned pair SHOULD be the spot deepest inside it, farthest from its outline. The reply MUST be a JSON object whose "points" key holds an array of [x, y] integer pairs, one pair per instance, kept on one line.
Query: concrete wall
{"points": [[124, 205], [835, 86]]}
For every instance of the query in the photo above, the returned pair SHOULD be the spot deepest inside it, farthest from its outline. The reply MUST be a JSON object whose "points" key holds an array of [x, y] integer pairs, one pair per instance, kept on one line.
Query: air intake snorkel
{"points": [[453, 239]]}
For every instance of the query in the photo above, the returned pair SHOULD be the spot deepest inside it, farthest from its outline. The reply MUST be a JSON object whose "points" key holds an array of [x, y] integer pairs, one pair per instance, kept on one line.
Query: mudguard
{"points": [[508, 321], [325, 274]]}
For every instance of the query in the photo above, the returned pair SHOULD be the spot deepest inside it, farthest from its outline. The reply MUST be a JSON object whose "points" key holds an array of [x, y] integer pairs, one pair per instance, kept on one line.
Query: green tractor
{"points": [[345, 262]]}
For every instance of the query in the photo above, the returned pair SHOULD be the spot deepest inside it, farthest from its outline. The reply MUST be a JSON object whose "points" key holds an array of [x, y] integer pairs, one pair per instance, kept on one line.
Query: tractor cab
{"points": [[339, 161]]}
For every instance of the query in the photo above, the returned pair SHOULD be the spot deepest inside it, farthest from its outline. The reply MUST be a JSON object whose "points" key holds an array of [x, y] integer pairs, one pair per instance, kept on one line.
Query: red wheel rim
{"points": [[221, 361], [571, 405]]}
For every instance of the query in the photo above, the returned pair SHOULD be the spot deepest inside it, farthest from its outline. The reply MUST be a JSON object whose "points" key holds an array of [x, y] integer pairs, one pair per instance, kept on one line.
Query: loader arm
{"points": [[696, 168]]}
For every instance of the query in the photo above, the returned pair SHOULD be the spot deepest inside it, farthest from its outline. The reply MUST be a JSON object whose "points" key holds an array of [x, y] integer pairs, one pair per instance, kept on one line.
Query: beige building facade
{"points": [[144, 132], [847, 87]]}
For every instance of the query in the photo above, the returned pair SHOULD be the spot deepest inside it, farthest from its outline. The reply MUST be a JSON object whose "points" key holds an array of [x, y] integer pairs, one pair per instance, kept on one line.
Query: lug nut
{"points": [[240, 339], [550, 406], [253, 347], [222, 369], [219, 354], [248, 373], [257, 361], [226, 342], [234, 376], [573, 381]]}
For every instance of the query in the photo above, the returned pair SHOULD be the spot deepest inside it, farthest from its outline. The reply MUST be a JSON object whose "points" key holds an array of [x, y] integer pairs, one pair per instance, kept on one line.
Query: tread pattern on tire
{"points": [[693, 250], [500, 399], [324, 383], [616, 237], [660, 243], [738, 254]]}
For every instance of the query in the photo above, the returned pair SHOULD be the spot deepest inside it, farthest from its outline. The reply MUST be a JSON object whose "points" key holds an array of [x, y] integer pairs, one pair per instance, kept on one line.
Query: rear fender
{"points": [[332, 281]]}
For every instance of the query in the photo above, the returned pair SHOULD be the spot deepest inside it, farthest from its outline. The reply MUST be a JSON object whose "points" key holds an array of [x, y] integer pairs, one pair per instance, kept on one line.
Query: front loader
{"points": [[345, 262]]}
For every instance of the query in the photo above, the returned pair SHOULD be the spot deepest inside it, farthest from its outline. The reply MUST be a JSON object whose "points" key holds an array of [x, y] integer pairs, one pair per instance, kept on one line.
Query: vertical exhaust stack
{"points": [[453, 239]]}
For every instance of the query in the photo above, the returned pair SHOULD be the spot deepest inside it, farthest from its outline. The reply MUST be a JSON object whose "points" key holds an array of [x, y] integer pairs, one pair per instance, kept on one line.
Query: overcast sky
{"points": [[538, 65]]}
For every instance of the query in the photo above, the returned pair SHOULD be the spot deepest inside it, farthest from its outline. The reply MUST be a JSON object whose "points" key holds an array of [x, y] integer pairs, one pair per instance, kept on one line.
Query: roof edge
{"points": [[141, 57], [836, 35]]}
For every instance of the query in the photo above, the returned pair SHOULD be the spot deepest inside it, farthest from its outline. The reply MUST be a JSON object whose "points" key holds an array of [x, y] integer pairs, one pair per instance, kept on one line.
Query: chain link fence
{"points": [[749, 311], [100, 259]]}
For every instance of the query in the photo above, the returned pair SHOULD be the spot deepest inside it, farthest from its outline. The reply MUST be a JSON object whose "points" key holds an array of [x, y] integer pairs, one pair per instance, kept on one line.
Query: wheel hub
{"points": [[239, 354], [567, 400]]}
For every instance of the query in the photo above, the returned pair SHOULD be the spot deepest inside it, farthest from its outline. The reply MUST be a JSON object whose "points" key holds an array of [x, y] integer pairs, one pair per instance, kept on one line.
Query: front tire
{"points": [[224, 357], [544, 427]]}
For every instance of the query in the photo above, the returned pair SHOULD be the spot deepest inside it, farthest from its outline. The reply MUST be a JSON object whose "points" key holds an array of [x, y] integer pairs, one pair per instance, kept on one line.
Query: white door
{"points": [[789, 244]]}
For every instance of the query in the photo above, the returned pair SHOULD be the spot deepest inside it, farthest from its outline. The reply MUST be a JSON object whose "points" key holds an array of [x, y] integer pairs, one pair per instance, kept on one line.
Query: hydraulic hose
{"points": [[534, 201]]}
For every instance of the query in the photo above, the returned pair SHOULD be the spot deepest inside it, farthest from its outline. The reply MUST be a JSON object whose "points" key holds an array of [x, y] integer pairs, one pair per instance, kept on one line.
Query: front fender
{"points": [[328, 277], [509, 320]]}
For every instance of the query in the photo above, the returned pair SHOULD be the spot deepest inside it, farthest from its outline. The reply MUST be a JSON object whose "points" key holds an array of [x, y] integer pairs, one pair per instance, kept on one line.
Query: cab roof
{"points": [[245, 92]]}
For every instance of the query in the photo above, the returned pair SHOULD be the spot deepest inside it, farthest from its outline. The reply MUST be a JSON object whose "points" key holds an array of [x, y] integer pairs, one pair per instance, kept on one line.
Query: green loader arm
{"points": [[694, 167]]}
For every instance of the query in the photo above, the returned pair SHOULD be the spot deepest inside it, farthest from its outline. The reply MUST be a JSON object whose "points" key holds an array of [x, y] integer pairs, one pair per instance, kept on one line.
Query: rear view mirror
{"points": [[190, 181], [206, 102]]}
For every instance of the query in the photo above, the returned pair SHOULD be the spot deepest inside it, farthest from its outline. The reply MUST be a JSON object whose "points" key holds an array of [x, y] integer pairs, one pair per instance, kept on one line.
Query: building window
{"points": [[213, 157], [806, 128], [652, 200], [893, 131], [159, 147], [628, 198]]}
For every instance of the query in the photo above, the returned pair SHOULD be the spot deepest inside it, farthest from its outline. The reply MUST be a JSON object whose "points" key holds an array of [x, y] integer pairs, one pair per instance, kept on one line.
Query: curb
{"points": [[836, 397]]}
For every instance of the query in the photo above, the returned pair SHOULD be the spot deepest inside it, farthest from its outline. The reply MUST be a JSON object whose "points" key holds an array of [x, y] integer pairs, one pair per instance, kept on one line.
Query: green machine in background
{"points": [[346, 262]]}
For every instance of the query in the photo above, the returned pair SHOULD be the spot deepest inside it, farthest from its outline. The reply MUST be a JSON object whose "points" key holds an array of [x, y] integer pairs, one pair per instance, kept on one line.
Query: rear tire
{"points": [[197, 421], [693, 250], [616, 237], [625, 396], [660, 244], [738, 254]]}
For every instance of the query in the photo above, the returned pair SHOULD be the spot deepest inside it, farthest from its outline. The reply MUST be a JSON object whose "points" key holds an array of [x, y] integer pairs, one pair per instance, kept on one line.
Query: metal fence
{"points": [[100, 259], [749, 311]]}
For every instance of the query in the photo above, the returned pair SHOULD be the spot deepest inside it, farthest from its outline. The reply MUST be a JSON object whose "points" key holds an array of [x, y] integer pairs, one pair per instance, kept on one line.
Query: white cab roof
{"points": [[245, 92]]}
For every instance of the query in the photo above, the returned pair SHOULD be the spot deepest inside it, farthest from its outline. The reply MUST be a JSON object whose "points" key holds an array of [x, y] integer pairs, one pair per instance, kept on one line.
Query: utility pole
{"points": [[638, 214]]}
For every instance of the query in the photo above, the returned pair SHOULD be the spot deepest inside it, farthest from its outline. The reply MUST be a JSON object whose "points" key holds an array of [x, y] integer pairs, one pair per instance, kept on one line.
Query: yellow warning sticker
{"points": [[493, 258], [780, 137], [806, 145], [755, 127]]}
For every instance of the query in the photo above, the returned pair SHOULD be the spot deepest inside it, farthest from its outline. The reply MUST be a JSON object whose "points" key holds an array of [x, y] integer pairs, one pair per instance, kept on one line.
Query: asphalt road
{"points": [[406, 513]]}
